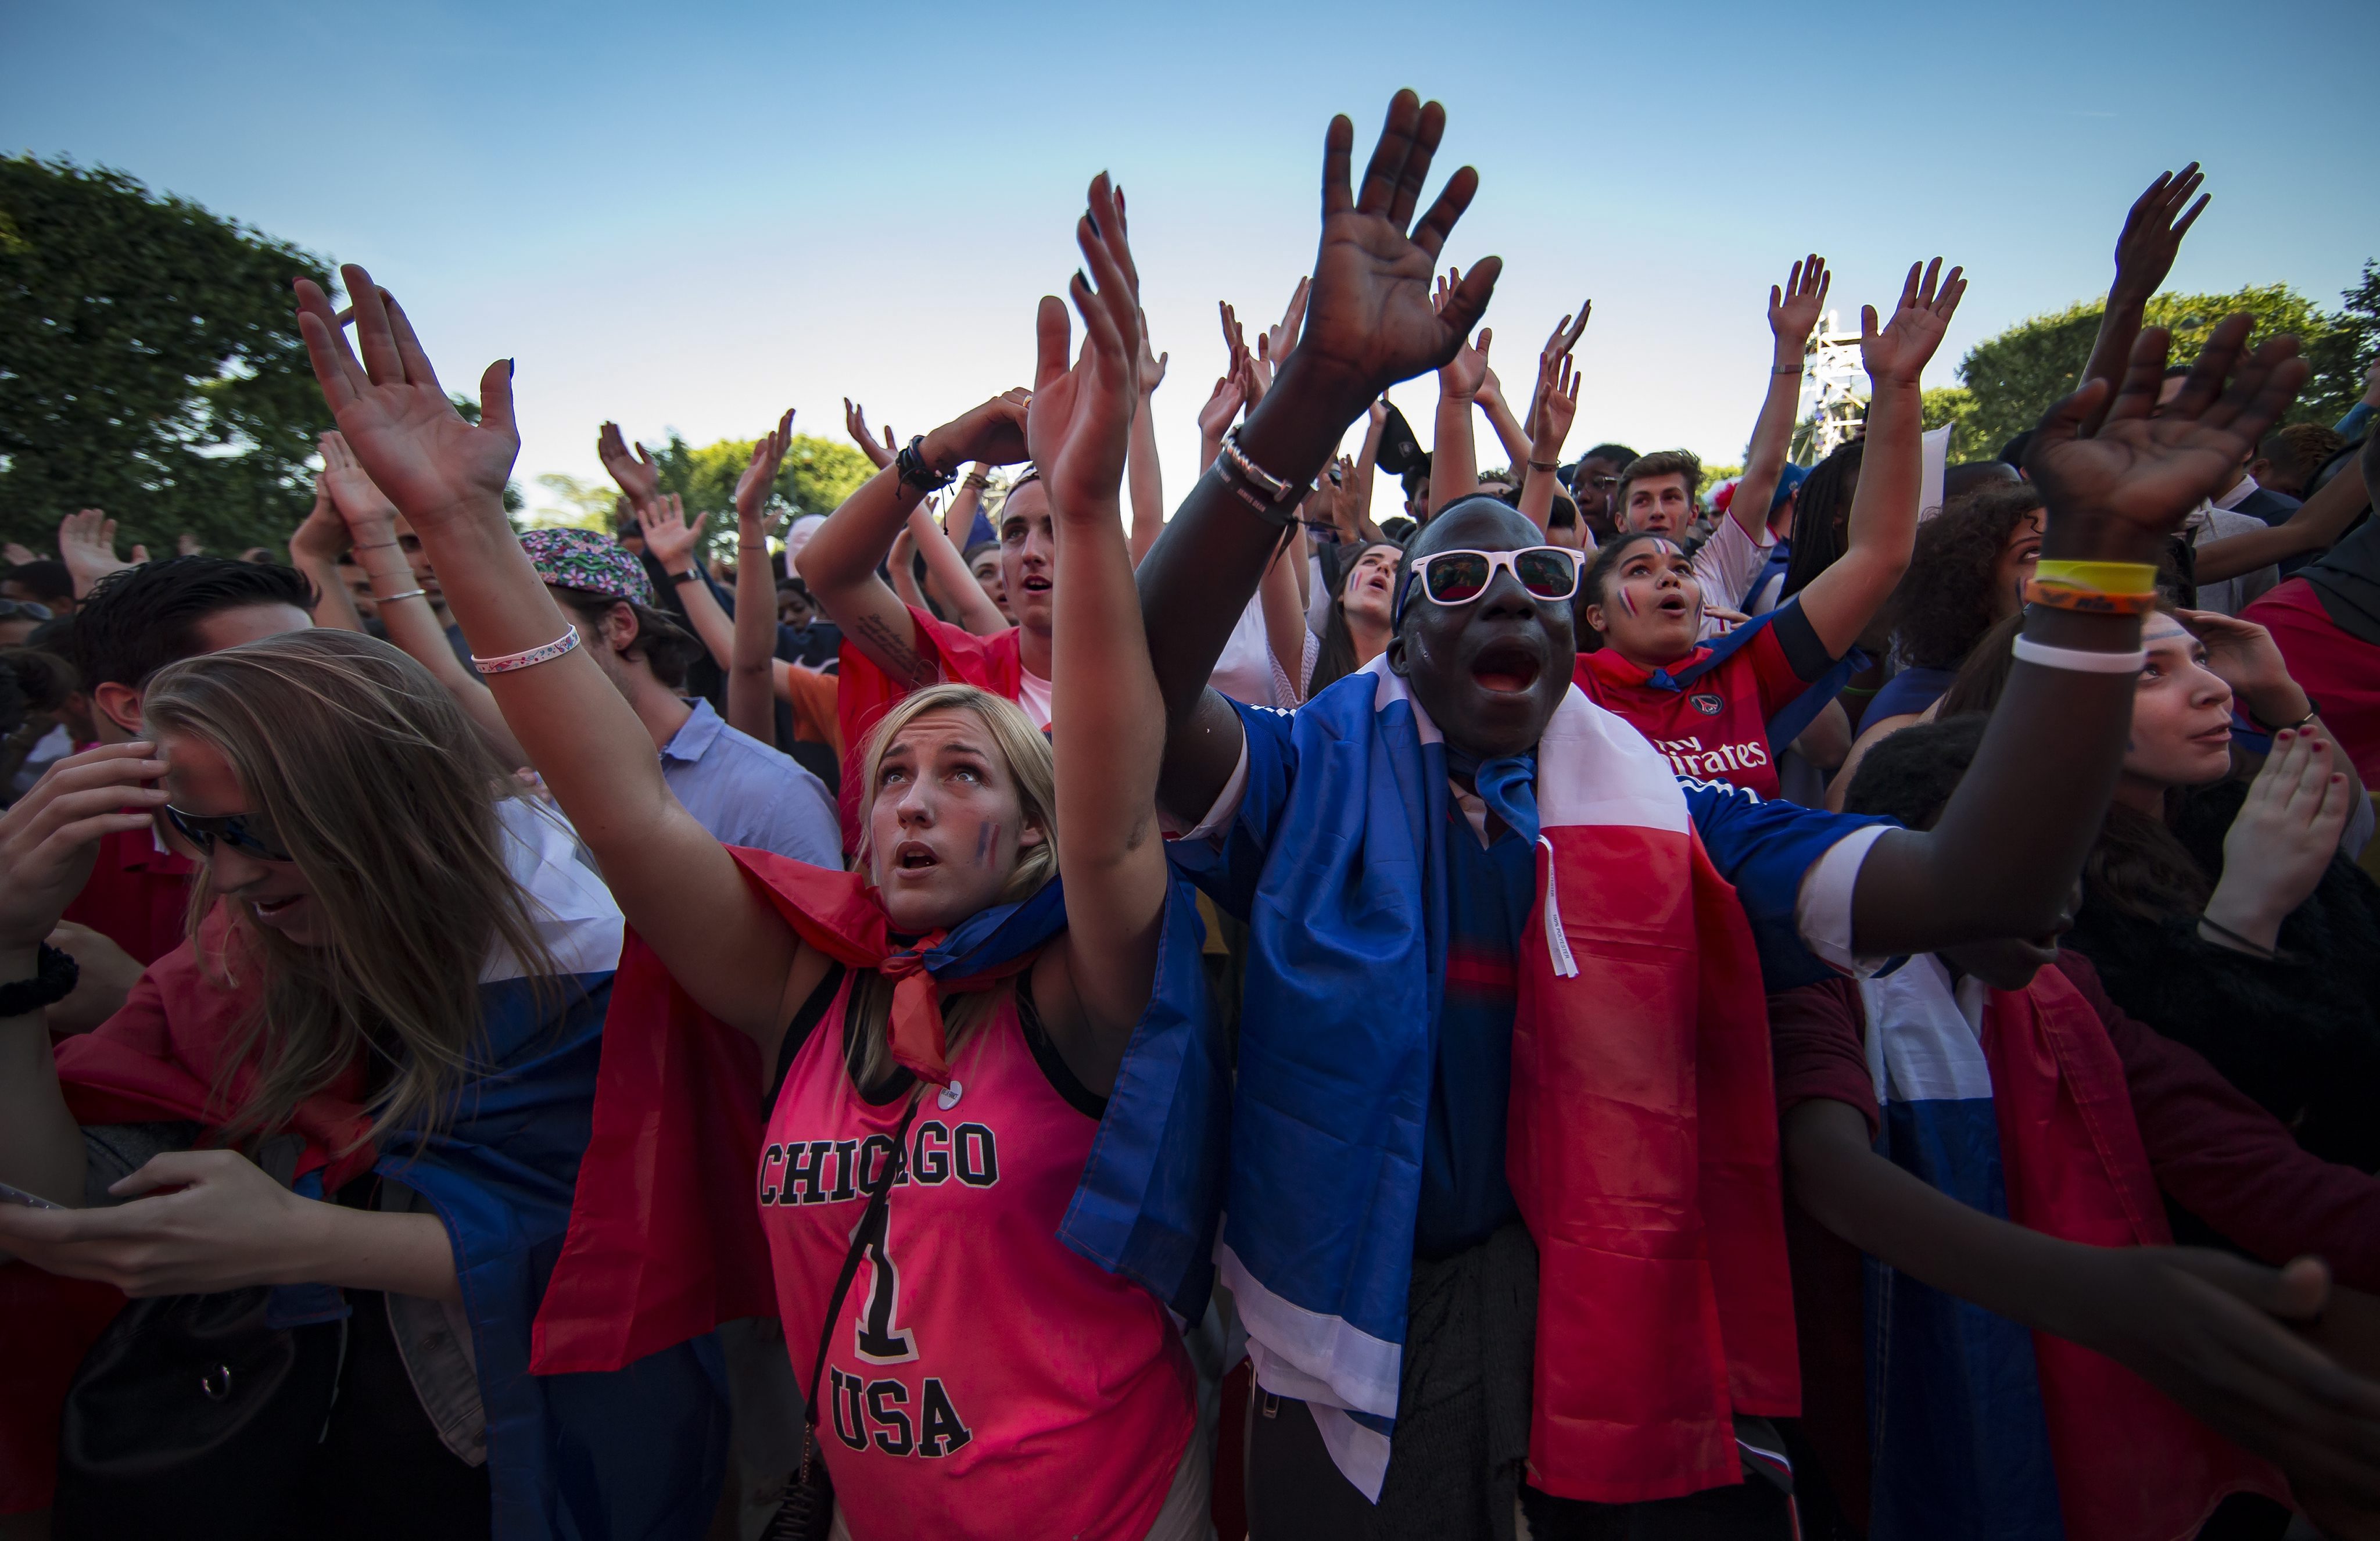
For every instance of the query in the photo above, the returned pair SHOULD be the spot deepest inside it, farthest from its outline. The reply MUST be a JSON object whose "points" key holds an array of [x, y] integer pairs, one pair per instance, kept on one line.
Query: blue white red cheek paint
{"points": [[987, 835], [1627, 599]]}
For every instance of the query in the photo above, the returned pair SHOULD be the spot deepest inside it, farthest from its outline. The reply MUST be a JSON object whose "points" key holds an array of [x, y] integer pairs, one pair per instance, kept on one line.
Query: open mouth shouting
{"points": [[914, 859], [1508, 667]]}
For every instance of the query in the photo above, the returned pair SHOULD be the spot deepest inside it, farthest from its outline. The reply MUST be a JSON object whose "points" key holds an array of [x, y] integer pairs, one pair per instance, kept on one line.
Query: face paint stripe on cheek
{"points": [[987, 836]]}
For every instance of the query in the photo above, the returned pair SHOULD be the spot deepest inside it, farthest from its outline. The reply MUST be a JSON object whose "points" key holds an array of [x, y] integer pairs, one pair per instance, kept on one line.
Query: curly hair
{"points": [[1944, 603]]}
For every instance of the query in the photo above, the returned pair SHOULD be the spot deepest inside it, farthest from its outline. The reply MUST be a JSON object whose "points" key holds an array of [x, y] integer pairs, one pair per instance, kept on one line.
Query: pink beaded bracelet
{"points": [[544, 654]]}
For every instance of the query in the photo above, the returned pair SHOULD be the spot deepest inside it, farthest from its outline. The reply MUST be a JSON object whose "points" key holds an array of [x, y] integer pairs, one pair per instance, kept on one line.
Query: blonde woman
{"points": [[380, 1046], [939, 1034]]}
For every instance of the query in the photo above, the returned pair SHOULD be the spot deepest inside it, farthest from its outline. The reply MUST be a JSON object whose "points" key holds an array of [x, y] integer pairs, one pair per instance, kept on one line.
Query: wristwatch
{"points": [[54, 979]]}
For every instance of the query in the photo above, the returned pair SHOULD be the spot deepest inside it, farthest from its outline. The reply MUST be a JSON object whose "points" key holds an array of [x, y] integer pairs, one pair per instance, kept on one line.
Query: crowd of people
{"points": [[1833, 1006]]}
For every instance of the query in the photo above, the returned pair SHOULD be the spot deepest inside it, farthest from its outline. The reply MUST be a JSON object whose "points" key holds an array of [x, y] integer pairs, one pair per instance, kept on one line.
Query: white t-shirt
{"points": [[1033, 695], [1244, 670], [1726, 565]]}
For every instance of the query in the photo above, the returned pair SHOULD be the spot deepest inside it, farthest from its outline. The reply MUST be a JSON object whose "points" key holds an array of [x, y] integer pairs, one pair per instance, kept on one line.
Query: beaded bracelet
{"points": [[545, 653]]}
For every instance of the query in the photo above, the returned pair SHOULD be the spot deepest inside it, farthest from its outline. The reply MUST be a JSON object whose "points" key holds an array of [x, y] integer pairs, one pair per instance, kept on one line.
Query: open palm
{"points": [[1900, 349], [1370, 321], [2149, 465], [1080, 420], [393, 413]]}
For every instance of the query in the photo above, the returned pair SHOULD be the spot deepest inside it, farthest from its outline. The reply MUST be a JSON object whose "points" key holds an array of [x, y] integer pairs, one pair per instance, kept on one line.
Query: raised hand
{"points": [[1274, 343], [396, 417], [1152, 369], [368, 515], [2243, 656], [1223, 405], [1898, 352], [992, 434], [1369, 322], [322, 536], [2134, 482], [1793, 311], [16, 555], [2154, 228], [1564, 337], [855, 422], [2283, 838], [667, 535], [1464, 376], [635, 473], [1079, 425], [760, 475], [87, 545], [187, 545], [1556, 406]]}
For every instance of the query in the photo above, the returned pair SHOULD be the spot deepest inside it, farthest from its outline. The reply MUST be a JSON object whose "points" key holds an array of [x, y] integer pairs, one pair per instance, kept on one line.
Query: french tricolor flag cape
{"points": [[1642, 1135], [638, 1452], [1980, 1429]]}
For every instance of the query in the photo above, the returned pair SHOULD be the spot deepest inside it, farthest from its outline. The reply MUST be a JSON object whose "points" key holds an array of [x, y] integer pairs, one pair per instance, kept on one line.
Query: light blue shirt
{"points": [[747, 794]]}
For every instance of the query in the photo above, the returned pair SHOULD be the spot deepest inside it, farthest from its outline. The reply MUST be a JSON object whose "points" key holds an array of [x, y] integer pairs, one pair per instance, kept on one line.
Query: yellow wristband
{"points": [[2102, 577]]}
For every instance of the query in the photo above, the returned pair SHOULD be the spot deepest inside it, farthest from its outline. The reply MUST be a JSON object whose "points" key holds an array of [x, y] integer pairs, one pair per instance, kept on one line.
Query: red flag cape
{"points": [[2130, 1461], [866, 693], [665, 1239], [156, 1059]]}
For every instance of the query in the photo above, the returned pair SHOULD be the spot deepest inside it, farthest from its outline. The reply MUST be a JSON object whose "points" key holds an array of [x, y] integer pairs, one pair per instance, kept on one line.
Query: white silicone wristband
{"points": [[2079, 661]]}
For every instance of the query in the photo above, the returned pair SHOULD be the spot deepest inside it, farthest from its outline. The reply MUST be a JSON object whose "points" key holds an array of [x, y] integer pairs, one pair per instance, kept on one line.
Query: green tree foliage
{"points": [[2011, 379], [150, 365], [817, 476], [1954, 406]]}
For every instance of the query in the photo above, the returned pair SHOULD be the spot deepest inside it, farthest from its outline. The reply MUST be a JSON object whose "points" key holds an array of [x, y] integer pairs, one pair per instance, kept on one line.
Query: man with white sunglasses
{"points": [[1501, 1192]]}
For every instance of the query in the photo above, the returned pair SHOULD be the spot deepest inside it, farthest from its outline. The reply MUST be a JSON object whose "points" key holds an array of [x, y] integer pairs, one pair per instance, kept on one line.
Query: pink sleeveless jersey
{"points": [[982, 1380]]}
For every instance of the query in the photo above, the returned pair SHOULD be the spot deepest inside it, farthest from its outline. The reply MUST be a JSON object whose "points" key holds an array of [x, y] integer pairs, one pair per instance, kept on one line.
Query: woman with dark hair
{"points": [[1715, 709], [1822, 512], [2227, 911], [1356, 626], [1966, 575], [364, 1083]]}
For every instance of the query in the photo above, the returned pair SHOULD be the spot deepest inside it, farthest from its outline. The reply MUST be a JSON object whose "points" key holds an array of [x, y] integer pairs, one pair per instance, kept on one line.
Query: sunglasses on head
{"points": [[241, 832], [1459, 577]]}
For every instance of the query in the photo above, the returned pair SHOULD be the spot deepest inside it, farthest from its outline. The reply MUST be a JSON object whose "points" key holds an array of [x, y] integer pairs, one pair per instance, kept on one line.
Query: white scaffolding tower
{"points": [[1834, 395]]}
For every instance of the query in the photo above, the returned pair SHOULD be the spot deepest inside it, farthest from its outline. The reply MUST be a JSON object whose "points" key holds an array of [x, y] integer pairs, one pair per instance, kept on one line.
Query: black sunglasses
{"points": [[241, 832]]}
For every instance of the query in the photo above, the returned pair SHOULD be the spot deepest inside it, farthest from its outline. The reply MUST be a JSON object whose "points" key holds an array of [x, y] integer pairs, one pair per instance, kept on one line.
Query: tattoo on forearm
{"points": [[887, 643]]}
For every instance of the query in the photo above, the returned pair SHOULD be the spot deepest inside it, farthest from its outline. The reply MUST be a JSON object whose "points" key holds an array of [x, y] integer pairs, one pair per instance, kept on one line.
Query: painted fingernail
{"points": [[509, 363]]}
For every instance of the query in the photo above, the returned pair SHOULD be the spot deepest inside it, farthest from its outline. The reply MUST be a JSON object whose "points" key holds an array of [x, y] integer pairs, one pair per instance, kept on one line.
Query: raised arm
{"points": [[1840, 602], [1145, 476], [631, 469], [2001, 861], [840, 563], [2316, 526], [1353, 510], [1552, 407], [1454, 446], [1107, 726], [1369, 324], [406, 613], [677, 884], [947, 575], [315, 547], [2144, 252], [855, 422], [1511, 431], [751, 684], [1793, 312]]}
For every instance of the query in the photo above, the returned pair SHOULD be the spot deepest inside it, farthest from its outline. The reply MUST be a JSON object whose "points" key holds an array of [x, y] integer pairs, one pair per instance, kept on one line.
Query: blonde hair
{"points": [[385, 798], [1034, 773]]}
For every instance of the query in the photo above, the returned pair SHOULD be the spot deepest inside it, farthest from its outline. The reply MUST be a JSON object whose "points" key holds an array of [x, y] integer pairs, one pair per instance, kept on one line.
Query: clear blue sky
{"points": [[691, 216]]}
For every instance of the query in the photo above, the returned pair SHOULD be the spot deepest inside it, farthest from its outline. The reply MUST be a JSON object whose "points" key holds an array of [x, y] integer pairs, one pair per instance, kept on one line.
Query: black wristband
{"points": [[2314, 710], [54, 979], [915, 472]]}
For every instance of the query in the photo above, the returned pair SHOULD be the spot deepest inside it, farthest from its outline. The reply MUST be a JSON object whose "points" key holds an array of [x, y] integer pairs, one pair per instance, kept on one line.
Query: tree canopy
{"points": [[2007, 381], [149, 364], [817, 476]]}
